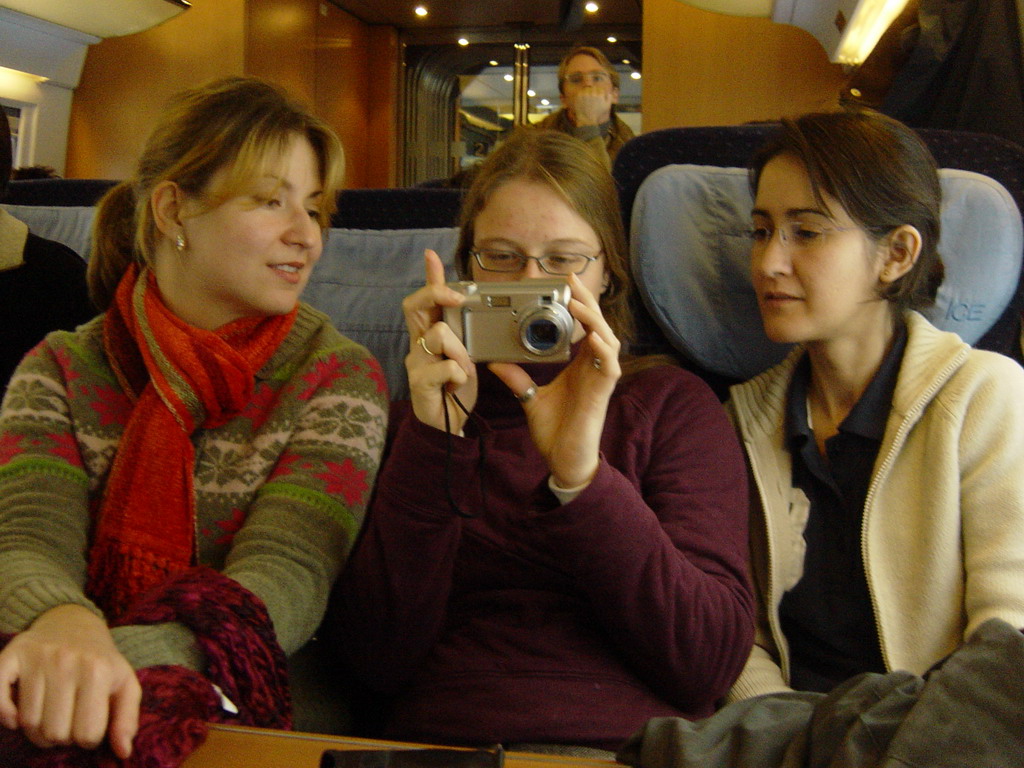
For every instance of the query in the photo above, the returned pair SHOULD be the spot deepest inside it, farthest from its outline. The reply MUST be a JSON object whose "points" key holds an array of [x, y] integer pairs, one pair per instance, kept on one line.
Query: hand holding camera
{"points": [[505, 323], [437, 362], [566, 417], [524, 321]]}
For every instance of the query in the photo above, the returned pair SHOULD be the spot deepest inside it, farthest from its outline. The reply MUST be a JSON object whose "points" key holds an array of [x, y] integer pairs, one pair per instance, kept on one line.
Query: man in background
{"points": [[589, 89]]}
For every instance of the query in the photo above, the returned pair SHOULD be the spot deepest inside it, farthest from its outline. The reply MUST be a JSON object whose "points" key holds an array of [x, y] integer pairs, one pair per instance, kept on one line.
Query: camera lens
{"points": [[545, 329], [542, 335]]}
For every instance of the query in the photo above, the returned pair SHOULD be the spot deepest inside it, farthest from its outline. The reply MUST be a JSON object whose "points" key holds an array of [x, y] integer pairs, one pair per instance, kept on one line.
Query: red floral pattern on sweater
{"points": [[347, 480], [266, 473]]}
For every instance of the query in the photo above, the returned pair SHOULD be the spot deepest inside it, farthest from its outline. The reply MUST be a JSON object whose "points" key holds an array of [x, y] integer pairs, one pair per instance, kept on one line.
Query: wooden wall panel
{"points": [[127, 80], [355, 92], [345, 70], [703, 68], [382, 130], [280, 44]]}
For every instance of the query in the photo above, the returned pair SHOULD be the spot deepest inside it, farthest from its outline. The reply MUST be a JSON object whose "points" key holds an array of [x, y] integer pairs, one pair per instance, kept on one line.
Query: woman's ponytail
{"points": [[113, 243]]}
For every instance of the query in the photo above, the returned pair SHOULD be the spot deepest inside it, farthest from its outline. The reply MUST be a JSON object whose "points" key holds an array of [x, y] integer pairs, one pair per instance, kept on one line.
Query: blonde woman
{"points": [[182, 477]]}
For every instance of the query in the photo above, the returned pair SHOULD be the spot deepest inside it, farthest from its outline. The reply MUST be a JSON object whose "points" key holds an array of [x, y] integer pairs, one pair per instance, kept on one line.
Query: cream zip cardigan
{"points": [[943, 530]]}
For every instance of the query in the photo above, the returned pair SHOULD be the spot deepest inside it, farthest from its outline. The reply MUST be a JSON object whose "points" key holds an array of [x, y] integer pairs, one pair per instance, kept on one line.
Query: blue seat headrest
{"points": [[690, 258], [360, 282]]}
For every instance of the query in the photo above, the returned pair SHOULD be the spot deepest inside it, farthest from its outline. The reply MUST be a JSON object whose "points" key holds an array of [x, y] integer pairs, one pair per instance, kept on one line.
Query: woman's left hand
{"points": [[566, 417]]}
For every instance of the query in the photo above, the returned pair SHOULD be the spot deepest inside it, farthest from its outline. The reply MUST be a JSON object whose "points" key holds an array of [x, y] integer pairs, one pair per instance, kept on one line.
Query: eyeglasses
{"points": [[552, 263], [793, 234], [596, 77]]}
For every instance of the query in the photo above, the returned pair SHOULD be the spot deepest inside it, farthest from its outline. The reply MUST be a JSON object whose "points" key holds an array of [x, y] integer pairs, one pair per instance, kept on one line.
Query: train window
{"points": [[485, 109], [14, 119]]}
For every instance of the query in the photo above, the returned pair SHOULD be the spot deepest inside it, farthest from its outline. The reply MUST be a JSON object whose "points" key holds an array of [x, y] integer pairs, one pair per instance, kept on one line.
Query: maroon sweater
{"points": [[536, 622]]}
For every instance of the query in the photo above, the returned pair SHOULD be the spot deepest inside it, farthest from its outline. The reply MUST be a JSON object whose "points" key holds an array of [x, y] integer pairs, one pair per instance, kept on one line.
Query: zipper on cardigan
{"points": [[908, 422]]}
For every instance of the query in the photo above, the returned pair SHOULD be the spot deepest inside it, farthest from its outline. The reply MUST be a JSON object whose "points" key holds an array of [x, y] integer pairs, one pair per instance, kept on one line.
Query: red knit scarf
{"points": [[181, 378], [236, 637]]}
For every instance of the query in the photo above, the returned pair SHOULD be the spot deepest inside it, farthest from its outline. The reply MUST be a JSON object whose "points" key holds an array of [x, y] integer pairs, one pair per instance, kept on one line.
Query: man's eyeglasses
{"points": [[597, 77], [552, 263]]}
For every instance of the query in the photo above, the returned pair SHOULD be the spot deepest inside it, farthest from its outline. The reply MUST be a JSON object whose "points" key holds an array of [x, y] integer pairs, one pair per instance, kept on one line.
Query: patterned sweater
{"points": [[280, 489]]}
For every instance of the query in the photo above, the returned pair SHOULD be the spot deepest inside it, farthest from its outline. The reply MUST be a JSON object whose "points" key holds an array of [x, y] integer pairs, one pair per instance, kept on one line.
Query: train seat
{"points": [[58, 209], [373, 258]]}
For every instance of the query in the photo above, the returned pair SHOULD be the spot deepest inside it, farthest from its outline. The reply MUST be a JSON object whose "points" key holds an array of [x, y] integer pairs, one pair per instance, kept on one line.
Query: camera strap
{"points": [[448, 461]]}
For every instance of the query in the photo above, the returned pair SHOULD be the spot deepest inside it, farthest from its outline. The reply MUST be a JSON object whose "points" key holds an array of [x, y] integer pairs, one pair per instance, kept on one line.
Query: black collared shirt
{"points": [[827, 617]]}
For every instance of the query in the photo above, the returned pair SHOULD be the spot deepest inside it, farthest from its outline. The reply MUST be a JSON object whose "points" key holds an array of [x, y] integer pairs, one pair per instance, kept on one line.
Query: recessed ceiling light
{"points": [[625, 61], [545, 102], [463, 41], [612, 39], [635, 75], [591, 7], [493, 62], [531, 93], [509, 78], [421, 10]]}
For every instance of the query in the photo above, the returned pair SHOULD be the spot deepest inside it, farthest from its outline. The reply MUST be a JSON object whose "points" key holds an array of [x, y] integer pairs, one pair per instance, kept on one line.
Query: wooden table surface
{"points": [[229, 746]]}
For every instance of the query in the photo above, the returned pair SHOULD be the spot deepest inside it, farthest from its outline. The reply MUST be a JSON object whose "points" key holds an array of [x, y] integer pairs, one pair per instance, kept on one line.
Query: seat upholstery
{"points": [[731, 147]]}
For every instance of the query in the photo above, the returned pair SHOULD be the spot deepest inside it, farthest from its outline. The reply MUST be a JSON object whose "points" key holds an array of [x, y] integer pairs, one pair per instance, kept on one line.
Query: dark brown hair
{"points": [[881, 173], [241, 124]]}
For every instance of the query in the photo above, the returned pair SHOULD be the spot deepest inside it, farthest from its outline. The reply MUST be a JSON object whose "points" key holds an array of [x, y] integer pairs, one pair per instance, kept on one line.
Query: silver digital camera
{"points": [[513, 322]]}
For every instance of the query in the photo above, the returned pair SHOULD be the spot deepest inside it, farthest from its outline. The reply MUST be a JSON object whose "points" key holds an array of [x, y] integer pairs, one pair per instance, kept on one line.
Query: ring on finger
{"points": [[422, 341], [596, 362], [528, 395]]}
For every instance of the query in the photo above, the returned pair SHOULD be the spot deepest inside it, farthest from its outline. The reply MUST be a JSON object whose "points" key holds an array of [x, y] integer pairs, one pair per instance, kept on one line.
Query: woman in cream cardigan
{"points": [[887, 455]]}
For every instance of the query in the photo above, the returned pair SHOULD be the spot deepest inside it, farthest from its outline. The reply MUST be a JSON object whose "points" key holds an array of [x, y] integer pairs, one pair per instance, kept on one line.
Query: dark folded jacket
{"points": [[968, 710]]}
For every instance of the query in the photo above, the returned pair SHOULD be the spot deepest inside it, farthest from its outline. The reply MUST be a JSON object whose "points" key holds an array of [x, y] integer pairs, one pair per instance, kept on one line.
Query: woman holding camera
{"points": [[556, 552]]}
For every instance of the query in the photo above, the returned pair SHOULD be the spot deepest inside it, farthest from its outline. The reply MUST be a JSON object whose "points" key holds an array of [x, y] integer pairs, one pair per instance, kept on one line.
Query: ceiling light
{"points": [[612, 39], [545, 102], [635, 75], [848, 30], [463, 41], [869, 21], [493, 62], [421, 10], [531, 93], [509, 78], [625, 61], [591, 7]]}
